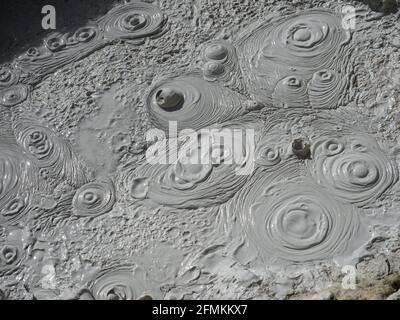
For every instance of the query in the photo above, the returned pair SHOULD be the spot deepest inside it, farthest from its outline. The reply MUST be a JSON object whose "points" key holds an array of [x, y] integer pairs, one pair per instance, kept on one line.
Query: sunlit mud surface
{"points": [[99, 201]]}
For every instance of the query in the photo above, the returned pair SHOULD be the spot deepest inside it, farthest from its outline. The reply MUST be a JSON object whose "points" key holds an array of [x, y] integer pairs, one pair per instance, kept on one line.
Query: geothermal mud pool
{"points": [[99, 201]]}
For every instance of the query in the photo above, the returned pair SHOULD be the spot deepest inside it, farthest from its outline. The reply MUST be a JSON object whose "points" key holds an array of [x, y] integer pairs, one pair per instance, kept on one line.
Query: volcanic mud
{"points": [[203, 149]]}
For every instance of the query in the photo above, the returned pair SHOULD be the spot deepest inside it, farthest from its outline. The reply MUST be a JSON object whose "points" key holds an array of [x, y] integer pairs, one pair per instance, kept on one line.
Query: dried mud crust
{"points": [[367, 289], [85, 238]]}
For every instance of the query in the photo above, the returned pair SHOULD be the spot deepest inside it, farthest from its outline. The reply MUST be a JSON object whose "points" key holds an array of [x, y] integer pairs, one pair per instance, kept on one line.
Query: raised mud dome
{"points": [[353, 168], [296, 221], [192, 102], [132, 21], [94, 198], [220, 62], [50, 152], [211, 149], [121, 283], [280, 55]]}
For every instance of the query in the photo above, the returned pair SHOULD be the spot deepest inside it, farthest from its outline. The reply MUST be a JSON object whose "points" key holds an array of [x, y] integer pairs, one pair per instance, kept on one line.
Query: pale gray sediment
{"points": [[84, 214]]}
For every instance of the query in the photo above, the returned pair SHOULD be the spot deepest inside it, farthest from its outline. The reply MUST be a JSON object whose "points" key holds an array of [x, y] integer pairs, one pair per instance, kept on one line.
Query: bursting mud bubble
{"points": [[159, 152]]}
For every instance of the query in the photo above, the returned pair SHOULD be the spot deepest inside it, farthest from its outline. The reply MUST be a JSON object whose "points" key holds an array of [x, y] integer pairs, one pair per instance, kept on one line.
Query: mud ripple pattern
{"points": [[205, 173], [353, 168], [220, 63], [59, 50], [94, 198], [191, 101], [11, 256], [13, 95], [295, 221], [8, 76], [291, 92], [19, 177], [269, 151], [50, 151], [132, 21], [119, 283], [326, 89], [299, 44]]}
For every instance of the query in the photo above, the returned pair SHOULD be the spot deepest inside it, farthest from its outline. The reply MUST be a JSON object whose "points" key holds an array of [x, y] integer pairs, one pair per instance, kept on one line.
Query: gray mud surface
{"points": [[84, 213]]}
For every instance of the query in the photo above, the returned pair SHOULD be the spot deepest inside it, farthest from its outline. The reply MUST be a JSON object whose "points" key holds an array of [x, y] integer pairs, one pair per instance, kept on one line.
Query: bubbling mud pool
{"points": [[243, 166]]}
